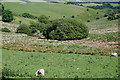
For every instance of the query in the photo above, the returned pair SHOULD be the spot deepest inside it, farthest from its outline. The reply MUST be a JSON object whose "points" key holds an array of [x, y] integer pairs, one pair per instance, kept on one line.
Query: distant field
{"points": [[25, 64], [95, 4], [54, 10], [91, 4], [113, 4]]}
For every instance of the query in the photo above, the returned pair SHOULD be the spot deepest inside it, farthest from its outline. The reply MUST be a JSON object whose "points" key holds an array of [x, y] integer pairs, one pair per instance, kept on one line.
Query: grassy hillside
{"points": [[25, 64], [54, 10]]}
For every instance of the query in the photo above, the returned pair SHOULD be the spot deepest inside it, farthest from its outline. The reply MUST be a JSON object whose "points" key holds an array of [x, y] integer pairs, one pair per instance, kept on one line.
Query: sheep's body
{"points": [[114, 54], [40, 71]]}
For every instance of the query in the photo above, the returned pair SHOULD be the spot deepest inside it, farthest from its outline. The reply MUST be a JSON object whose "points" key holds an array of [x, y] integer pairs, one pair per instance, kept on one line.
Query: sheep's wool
{"points": [[40, 71], [114, 54]]}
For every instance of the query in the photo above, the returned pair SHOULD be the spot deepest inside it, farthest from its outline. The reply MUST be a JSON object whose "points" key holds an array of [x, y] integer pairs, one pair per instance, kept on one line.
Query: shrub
{"points": [[81, 5], [97, 18], [63, 29], [63, 16], [97, 13], [20, 22], [5, 30], [7, 16], [27, 15], [88, 20], [73, 16], [87, 9], [23, 29], [43, 19]]}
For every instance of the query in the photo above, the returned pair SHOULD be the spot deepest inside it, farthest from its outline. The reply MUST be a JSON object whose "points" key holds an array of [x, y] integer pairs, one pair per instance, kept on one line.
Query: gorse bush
{"points": [[7, 16], [66, 29], [23, 29], [5, 30]]}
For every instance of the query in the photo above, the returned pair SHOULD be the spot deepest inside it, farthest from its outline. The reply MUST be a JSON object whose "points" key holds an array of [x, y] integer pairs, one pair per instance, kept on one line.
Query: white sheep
{"points": [[114, 54], [40, 71]]}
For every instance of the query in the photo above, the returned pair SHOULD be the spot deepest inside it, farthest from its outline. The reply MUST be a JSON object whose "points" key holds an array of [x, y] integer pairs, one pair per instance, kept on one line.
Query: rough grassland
{"points": [[25, 64]]}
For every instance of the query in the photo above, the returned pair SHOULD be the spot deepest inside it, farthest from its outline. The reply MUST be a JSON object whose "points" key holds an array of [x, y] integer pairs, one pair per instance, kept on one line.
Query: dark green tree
{"points": [[7, 16]]}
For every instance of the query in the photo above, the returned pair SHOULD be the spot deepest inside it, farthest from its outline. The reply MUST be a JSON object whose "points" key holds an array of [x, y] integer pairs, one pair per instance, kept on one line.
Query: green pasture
{"points": [[91, 4], [95, 4], [54, 10], [25, 64], [114, 4]]}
